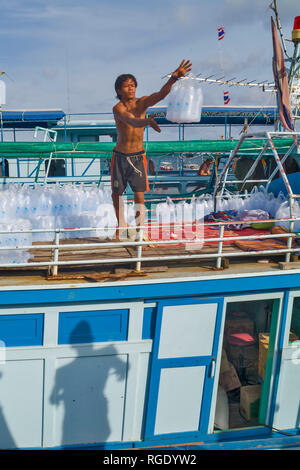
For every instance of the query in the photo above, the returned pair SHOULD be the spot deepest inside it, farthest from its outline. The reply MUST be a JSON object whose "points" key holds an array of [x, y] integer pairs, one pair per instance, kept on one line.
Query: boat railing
{"points": [[193, 246], [222, 178]]}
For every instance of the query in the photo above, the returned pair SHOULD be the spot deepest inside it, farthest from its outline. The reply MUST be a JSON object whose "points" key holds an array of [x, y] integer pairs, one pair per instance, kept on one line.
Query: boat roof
{"points": [[229, 115], [31, 118], [210, 115]]}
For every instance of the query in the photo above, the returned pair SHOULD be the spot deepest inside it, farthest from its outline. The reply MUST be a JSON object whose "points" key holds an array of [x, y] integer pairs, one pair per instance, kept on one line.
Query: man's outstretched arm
{"points": [[181, 71], [121, 113]]}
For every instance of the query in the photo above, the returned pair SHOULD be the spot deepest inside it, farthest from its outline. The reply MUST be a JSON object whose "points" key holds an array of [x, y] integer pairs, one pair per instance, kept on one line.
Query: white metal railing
{"points": [[191, 243], [222, 178]]}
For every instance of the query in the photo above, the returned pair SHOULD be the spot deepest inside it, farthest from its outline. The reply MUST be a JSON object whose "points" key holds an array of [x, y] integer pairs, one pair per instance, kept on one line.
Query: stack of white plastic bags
{"points": [[10, 239], [256, 205], [49, 207], [90, 208]]}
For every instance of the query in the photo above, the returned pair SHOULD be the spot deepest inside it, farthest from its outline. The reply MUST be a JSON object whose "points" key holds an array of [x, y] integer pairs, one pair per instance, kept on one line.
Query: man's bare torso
{"points": [[130, 139]]}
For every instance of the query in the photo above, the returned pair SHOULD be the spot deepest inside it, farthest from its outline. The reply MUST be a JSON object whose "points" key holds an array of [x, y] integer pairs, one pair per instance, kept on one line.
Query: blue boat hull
{"points": [[106, 365]]}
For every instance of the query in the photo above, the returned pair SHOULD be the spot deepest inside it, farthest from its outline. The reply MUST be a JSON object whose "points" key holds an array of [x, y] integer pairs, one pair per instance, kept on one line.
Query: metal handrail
{"points": [[57, 246], [279, 167]]}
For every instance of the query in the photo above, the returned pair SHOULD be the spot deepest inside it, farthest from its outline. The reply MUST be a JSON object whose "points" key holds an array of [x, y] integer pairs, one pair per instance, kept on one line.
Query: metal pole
{"points": [[282, 161], [65, 127], [227, 165], [48, 167], [139, 250], [1, 124], [220, 246], [254, 165], [54, 269]]}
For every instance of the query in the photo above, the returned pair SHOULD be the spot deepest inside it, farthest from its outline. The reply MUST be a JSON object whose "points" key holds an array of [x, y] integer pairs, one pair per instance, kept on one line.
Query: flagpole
{"points": [[226, 99], [221, 61]]}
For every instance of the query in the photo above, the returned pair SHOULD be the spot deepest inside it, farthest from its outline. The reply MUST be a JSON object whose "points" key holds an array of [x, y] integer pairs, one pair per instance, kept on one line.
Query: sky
{"points": [[67, 53]]}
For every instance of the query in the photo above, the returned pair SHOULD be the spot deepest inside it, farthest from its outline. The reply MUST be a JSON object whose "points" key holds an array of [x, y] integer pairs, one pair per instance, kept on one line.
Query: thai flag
{"points": [[221, 33], [226, 97]]}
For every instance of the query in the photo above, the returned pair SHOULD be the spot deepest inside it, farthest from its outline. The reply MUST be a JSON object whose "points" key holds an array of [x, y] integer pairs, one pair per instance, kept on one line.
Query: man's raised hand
{"points": [[183, 69]]}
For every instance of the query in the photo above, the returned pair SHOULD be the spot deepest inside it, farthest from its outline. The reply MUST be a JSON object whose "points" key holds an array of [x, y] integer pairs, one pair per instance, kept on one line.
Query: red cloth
{"points": [[241, 339], [192, 231]]}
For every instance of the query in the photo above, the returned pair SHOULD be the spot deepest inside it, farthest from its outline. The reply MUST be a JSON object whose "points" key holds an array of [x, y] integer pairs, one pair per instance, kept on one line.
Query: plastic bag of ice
{"points": [[185, 101], [284, 212], [43, 222], [11, 239]]}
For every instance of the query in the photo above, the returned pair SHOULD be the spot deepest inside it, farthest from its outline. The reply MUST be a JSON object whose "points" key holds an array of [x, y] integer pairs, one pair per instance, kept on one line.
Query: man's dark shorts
{"points": [[129, 168]]}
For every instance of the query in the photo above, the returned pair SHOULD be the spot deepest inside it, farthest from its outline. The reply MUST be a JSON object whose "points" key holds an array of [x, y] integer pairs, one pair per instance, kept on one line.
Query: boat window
{"points": [[4, 167], [57, 167], [249, 335]]}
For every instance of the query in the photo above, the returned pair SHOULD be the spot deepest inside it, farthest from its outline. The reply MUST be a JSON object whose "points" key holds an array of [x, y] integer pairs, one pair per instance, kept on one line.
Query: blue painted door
{"points": [[183, 367]]}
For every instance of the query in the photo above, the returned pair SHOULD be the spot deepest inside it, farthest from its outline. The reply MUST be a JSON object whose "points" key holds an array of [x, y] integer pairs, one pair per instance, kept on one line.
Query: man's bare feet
{"points": [[124, 234]]}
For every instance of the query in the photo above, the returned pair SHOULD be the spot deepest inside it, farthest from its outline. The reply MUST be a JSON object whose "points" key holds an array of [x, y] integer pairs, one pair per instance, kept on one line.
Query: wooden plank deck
{"points": [[127, 252]]}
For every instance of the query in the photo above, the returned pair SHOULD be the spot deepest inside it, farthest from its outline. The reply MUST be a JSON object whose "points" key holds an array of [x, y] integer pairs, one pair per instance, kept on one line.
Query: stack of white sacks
{"points": [[77, 206], [258, 199], [54, 206]]}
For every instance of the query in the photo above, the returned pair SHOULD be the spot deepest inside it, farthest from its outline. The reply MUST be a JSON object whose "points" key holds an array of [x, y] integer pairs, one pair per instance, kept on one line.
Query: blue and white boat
{"points": [[192, 343]]}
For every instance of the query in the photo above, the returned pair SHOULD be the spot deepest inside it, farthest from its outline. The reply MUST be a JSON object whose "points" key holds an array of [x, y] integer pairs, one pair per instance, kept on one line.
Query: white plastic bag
{"points": [[185, 101], [284, 212], [22, 238]]}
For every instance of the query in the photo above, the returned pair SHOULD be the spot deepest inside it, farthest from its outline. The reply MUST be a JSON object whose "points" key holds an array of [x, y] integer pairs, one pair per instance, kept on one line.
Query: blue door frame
{"points": [[158, 364]]}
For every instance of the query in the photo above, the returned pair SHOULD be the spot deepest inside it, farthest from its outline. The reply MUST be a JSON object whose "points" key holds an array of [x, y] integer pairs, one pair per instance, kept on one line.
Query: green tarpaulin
{"points": [[104, 149]]}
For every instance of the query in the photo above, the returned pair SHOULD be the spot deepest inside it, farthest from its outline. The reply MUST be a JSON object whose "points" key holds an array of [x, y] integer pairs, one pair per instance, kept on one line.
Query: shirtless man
{"points": [[129, 164]]}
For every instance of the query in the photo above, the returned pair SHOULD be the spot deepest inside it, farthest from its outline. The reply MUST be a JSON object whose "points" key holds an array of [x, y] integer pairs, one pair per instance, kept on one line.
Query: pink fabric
{"points": [[241, 339]]}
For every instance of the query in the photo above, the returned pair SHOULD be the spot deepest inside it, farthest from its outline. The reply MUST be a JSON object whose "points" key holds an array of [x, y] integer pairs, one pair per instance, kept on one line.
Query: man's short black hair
{"points": [[121, 79]]}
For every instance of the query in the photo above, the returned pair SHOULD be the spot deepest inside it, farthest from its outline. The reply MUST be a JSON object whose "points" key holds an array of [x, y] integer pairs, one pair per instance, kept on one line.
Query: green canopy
{"points": [[105, 149]]}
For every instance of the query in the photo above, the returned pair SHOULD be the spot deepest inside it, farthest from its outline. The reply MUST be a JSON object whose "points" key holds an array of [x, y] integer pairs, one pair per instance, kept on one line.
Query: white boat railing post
{"points": [[220, 245], [289, 242], [139, 250], [291, 227], [48, 168], [54, 268]]}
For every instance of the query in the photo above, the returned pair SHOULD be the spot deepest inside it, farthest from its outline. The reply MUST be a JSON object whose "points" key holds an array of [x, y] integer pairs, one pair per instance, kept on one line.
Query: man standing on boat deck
{"points": [[129, 164]]}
